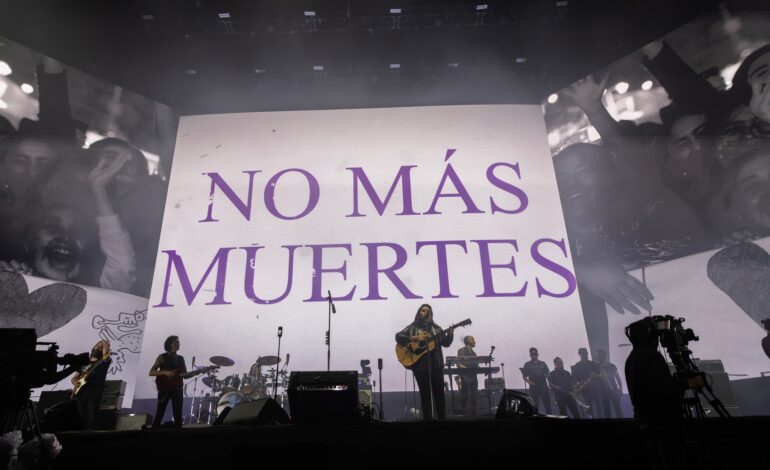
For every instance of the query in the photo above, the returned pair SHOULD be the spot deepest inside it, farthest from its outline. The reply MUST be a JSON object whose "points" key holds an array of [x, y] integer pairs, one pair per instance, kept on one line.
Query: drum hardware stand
{"points": [[194, 396], [275, 377], [332, 309]]}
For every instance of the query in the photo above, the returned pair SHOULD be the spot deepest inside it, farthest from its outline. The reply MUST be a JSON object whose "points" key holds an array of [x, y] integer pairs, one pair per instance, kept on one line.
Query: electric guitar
{"points": [[165, 383], [80, 380], [411, 353]]}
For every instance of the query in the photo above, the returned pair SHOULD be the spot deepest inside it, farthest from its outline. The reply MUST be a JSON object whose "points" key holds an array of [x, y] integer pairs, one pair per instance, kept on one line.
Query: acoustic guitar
{"points": [[411, 353]]}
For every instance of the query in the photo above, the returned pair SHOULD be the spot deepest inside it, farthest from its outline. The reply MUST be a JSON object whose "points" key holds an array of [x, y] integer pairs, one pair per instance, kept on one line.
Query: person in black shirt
{"points": [[429, 369], [169, 364], [469, 381], [561, 384], [587, 375], [89, 396], [612, 385], [535, 373]]}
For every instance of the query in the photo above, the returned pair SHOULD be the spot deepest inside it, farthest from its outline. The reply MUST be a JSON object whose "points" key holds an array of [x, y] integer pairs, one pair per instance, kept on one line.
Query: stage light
{"points": [[309, 13], [5, 69], [621, 87], [395, 11], [453, 65], [3, 105], [482, 7], [318, 68], [521, 60], [224, 15], [190, 71], [260, 71], [148, 17], [395, 66], [553, 98], [647, 85], [562, 4], [27, 88]]}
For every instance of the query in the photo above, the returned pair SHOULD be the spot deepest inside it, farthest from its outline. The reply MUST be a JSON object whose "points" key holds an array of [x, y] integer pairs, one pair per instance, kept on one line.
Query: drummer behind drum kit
{"points": [[238, 388]]}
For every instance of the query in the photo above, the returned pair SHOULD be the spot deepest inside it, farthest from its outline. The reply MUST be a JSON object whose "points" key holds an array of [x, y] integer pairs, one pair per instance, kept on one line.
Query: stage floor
{"points": [[740, 443]]}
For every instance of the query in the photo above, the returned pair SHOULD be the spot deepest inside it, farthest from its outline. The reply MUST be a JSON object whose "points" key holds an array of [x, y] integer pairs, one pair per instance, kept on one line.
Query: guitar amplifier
{"points": [[324, 396], [115, 387]]}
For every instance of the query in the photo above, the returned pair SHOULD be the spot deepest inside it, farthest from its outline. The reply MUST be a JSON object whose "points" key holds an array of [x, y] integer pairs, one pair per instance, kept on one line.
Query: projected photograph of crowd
{"points": [[83, 175], [662, 155]]}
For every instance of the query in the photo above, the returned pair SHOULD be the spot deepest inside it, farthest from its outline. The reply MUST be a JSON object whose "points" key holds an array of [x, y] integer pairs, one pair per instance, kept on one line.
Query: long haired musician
{"points": [[428, 369]]}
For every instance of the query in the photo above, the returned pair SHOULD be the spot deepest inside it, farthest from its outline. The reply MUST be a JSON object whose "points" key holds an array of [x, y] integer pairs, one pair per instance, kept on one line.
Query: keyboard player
{"points": [[469, 382]]}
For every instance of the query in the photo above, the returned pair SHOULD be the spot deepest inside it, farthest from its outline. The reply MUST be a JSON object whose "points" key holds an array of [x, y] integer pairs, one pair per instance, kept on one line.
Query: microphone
{"points": [[280, 331], [288, 356], [334, 309], [379, 364]]}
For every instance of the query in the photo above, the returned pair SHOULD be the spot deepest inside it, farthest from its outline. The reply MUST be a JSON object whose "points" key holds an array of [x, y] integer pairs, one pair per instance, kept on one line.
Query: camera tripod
{"points": [[692, 405]]}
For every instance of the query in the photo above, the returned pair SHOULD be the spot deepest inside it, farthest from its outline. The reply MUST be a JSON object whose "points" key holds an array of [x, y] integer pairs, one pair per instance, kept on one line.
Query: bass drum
{"points": [[230, 399]]}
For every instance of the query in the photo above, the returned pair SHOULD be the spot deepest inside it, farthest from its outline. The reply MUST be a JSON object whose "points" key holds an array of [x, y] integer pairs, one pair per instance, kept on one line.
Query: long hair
{"points": [[430, 313]]}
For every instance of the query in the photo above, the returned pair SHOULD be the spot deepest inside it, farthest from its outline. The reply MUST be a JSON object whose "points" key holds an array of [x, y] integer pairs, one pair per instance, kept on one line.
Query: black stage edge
{"points": [[547, 442]]}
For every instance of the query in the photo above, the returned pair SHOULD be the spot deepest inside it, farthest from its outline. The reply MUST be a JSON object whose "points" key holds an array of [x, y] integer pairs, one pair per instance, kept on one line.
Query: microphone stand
{"points": [[379, 366], [332, 309], [195, 391], [275, 377]]}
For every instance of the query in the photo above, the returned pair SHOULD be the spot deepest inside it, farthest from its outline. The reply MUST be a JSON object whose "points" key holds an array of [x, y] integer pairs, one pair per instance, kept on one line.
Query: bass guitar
{"points": [[411, 353], [164, 383]]}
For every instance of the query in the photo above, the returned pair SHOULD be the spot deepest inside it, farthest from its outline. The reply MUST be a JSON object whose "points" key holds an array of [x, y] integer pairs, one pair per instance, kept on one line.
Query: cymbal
{"points": [[221, 361], [211, 382], [268, 360]]}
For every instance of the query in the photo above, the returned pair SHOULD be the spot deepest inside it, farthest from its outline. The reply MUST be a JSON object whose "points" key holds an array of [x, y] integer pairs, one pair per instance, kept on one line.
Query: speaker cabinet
{"points": [[515, 404], [254, 413], [322, 397]]}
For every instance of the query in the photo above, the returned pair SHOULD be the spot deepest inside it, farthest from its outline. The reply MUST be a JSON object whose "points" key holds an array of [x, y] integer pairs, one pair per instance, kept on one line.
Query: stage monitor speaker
{"points": [[515, 404], [254, 413], [132, 421], [322, 397]]}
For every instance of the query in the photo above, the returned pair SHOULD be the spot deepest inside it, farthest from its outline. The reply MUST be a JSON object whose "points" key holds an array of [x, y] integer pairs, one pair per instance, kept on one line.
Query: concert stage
{"points": [[550, 442]]}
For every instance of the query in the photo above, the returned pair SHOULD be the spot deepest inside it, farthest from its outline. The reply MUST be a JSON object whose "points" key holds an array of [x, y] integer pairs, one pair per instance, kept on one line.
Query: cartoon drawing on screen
{"points": [[124, 334], [46, 309], [743, 273]]}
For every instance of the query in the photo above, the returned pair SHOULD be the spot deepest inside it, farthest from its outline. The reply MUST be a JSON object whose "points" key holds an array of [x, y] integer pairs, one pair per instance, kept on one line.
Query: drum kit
{"points": [[264, 375]]}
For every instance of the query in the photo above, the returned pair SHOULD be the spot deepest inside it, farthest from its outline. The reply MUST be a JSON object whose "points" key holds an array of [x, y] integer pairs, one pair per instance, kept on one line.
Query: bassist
{"points": [[169, 366], [429, 369]]}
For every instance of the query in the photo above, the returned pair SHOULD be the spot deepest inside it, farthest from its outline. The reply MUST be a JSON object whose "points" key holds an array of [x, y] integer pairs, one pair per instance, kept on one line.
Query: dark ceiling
{"points": [[186, 54]]}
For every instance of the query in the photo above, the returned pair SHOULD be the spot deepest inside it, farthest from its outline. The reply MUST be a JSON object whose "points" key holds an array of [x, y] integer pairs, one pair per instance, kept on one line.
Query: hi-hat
{"points": [[268, 360], [221, 361]]}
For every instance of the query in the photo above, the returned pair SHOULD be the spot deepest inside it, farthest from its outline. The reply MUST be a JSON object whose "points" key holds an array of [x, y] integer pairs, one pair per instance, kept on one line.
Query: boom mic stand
{"points": [[332, 309]]}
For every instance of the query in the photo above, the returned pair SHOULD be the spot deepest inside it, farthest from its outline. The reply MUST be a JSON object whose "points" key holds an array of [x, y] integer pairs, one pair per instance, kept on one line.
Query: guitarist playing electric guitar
{"points": [[88, 384], [419, 349], [168, 369]]}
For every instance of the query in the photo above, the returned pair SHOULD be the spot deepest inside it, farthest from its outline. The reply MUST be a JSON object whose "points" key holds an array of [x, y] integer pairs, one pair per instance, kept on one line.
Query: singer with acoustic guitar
{"points": [[168, 370], [88, 384], [419, 349]]}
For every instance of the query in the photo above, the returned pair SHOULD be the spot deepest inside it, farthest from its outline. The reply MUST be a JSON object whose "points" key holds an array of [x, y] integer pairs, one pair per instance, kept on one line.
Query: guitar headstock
{"points": [[465, 322]]}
